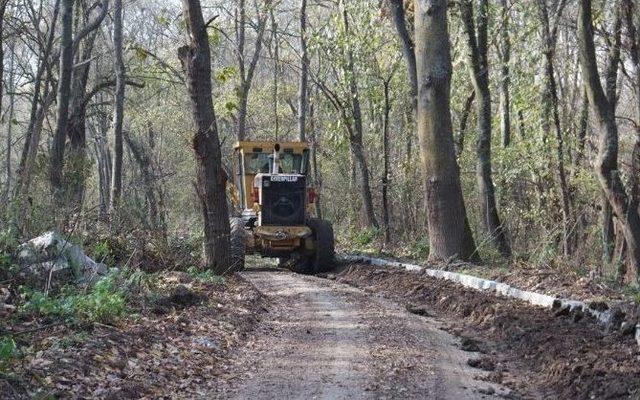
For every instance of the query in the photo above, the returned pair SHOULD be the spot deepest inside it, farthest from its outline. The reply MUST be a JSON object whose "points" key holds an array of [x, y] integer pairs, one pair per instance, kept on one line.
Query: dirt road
{"points": [[324, 340]]}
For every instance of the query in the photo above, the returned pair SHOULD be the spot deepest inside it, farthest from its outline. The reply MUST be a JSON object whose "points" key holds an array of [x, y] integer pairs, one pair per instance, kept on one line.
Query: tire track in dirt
{"points": [[323, 340]]}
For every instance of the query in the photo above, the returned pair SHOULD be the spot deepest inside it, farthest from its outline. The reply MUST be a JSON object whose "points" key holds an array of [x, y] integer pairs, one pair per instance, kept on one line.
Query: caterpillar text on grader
{"points": [[275, 207]]}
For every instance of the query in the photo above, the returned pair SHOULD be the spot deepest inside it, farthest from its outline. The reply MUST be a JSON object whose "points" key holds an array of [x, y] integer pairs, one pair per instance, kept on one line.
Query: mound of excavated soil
{"points": [[530, 349]]}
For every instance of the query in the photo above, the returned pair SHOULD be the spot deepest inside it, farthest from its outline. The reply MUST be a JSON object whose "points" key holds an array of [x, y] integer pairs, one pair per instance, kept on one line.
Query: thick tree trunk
{"points": [[303, 90], [211, 178], [607, 161], [449, 232], [64, 92], [505, 77], [480, 76], [118, 110]]}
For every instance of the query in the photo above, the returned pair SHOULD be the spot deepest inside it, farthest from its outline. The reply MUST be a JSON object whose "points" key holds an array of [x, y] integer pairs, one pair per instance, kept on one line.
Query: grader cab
{"points": [[274, 207]]}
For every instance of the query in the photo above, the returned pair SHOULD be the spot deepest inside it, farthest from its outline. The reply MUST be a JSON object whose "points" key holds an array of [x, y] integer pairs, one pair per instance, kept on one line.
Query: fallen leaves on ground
{"points": [[171, 350]]}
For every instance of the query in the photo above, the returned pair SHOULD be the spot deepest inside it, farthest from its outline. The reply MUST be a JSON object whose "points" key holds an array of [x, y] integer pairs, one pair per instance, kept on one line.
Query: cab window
{"points": [[290, 163]]}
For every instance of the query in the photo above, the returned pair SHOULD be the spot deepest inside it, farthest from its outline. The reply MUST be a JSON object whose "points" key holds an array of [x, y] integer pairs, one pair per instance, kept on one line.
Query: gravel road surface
{"points": [[320, 339]]}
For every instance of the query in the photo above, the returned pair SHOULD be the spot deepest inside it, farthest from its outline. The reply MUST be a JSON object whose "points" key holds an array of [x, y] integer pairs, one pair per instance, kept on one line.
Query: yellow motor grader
{"points": [[274, 209]]}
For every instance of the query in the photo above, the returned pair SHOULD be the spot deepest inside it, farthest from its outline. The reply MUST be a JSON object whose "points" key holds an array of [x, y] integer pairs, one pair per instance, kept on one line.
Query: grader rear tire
{"points": [[238, 242], [324, 258]]}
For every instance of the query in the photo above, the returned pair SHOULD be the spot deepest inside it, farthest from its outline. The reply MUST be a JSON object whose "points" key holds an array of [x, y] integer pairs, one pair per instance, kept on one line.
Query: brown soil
{"points": [[558, 280], [531, 350], [174, 348]]}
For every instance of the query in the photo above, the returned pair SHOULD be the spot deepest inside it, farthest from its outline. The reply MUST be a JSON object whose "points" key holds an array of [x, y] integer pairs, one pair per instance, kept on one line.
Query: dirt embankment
{"points": [[529, 349], [170, 347]]}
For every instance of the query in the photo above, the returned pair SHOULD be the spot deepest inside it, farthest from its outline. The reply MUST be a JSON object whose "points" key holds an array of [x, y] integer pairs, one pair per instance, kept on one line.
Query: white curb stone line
{"points": [[537, 299]]}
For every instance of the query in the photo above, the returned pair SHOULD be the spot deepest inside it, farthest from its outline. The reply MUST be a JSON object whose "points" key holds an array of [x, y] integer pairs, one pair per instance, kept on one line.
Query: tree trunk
{"points": [[276, 73], [464, 120], [522, 129], [608, 231], [144, 163], [607, 161], [247, 72], [505, 78], [549, 37], [399, 20], [36, 115], [582, 129], [118, 109], [385, 173], [103, 160], [303, 91], [449, 232], [356, 135], [480, 76], [317, 177], [77, 131], [9, 120], [633, 38], [64, 92], [3, 7], [211, 178]]}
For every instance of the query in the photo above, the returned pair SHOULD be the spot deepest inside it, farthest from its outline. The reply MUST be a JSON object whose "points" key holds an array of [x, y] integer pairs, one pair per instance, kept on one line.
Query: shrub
{"points": [[8, 351], [205, 275], [365, 237], [420, 248], [104, 303]]}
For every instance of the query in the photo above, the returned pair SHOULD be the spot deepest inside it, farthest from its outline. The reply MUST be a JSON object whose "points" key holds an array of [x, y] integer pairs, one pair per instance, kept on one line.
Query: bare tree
{"points": [[247, 72], [633, 38], [118, 110], [449, 232], [303, 91], [3, 8], [408, 51], [624, 208], [477, 42], [356, 134], [386, 82], [550, 37], [64, 94], [505, 76], [211, 178], [37, 111], [68, 47]]}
